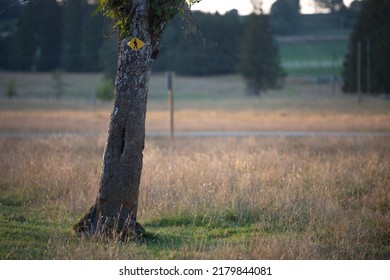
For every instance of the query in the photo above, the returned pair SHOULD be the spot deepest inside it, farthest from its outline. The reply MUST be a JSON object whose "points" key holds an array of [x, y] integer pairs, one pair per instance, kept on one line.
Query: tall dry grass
{"points": [[51, 172], [311, 198], [65, 120]]}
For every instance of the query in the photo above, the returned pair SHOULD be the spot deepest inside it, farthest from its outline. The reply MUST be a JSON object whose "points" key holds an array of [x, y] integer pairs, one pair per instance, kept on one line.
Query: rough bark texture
{"points": [[115, 209]]}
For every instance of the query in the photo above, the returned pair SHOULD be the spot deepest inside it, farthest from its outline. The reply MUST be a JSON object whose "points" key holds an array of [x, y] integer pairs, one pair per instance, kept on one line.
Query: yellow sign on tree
{"points": [[136, 44]]}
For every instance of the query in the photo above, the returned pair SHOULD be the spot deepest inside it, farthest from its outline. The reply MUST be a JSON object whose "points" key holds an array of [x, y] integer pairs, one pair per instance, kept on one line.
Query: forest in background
{"points": [[73, 38]]}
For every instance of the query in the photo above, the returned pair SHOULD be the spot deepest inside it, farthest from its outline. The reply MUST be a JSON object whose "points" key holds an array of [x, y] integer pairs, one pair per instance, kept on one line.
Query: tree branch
{"points": [[10, 6]]}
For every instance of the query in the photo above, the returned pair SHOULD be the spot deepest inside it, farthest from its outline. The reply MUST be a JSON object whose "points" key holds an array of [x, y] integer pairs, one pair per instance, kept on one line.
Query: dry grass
{"points": [[42, 85], [309, 198], [271, 116], [214, 198], [208, 103], [287, 120], [253, 198]]}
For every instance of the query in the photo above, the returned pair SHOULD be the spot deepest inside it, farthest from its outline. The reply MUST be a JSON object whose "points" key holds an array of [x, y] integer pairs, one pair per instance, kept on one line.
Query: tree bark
{"points": [[115, 209]]}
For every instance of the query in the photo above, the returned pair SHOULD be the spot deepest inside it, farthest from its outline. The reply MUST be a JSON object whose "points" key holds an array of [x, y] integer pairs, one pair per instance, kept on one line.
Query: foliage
{"points": [[356, 5], [9, 9], [25, 43], [92, 31], [108, 57], [260, 62], [119, 11], [161, 11], [105, 90], [332, 5], [372, 30], [48, 32], [36, 36], [211, 50], [284, 16], [72, 36], [30, 44], [66, 37]]}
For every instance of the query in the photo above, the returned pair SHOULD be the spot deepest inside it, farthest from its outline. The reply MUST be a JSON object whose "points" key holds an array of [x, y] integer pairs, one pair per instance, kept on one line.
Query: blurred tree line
{"points": [[203, 44], [372, 34], [44, 36]]}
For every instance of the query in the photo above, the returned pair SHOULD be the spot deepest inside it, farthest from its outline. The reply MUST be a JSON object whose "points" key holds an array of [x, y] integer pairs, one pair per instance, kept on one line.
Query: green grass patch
{"points": [[313, 58], [27, 226], [24, 232], [31, 232], [166, 237]]}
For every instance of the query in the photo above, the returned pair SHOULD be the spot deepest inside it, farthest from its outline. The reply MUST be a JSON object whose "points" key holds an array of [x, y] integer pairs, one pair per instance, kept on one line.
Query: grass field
{"points": [[204, 198], [313, 58]]}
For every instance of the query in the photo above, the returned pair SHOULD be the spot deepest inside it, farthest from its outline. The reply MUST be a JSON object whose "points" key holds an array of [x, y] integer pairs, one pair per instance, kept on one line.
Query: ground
{"points": [[201, 198]]}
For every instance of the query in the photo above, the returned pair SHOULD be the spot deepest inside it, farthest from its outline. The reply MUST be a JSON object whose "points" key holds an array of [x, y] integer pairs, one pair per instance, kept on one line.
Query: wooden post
{"points": [[358, 72], [334, 61], [169, 79], [368, 66]]}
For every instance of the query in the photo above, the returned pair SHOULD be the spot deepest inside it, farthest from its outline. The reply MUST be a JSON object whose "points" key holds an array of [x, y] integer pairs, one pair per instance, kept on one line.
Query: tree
{"points": [[48, 34], [372, 29], [260, 61], [332, 5], [356, 6], [72, 19], [36, 44], [108, 56], [284, 16], [92, 39], [25, 43], [210, 50], [116, 205], [10, 11]]}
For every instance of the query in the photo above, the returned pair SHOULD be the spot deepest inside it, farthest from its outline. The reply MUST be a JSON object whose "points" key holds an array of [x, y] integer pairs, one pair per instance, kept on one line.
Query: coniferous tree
{"points": [[3, 54], [260, 62], [49, 35], [225, 35], [92, 38], [209, 46], [25, 43], [372, 29], [9, 13], [332, 5], [37, 41], [72, 19], [284, 16], [108, 56]]}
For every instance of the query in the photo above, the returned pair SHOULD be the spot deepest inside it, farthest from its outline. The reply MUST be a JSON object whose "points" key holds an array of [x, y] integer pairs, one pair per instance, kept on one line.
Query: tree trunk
{"points": [[253, 87], [115, 209]]}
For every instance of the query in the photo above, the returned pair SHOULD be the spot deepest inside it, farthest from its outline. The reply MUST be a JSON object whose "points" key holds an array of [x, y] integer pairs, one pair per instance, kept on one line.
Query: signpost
{"points": [[358, 72], [169, 81]]}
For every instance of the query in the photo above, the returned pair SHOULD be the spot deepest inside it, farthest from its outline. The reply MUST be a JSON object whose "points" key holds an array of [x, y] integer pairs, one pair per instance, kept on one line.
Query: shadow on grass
{"points": [[175, 231]]}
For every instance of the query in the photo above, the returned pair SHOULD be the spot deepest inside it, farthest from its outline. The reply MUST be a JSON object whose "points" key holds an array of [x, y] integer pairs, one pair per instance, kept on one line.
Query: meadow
{"points": [[203, 198], [311, 57]]}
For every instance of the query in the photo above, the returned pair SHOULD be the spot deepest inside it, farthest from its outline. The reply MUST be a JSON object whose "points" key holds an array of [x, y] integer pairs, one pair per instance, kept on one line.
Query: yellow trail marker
{"points": [[136, 44]]}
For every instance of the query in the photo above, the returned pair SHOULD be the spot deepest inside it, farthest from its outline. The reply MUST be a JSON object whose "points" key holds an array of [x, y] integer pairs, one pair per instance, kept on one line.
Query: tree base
{"points": [[93, 225]]}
